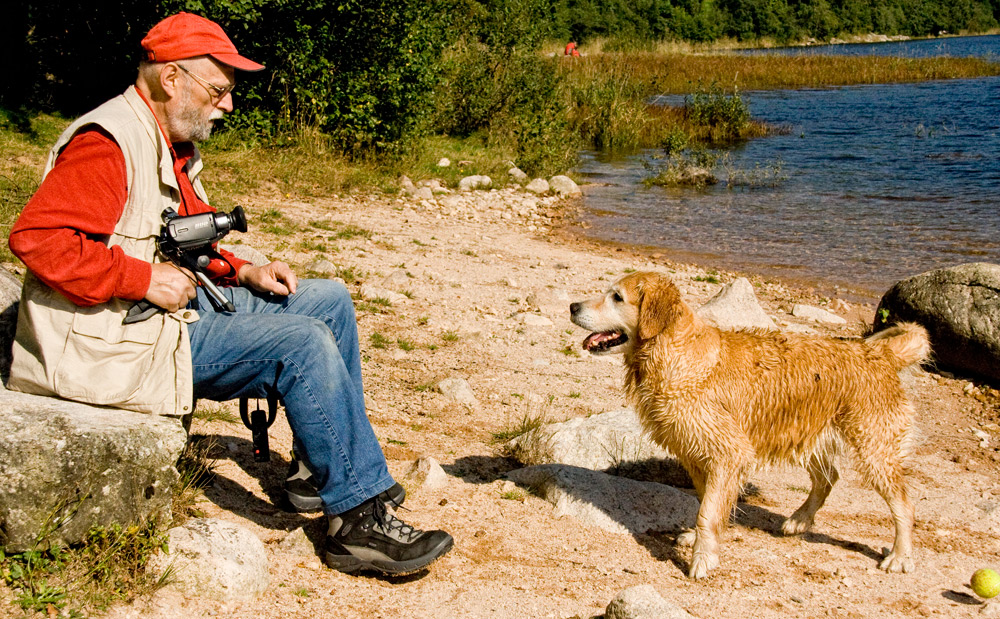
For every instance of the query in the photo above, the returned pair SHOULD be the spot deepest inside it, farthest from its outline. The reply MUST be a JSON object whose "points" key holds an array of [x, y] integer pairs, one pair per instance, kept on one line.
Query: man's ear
{"points": [[170, 77], [660, 306]]}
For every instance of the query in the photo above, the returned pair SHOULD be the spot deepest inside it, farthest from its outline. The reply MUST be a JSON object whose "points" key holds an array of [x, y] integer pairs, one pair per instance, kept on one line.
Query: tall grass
{"points": [[610, 92], [607, 108], [655, 74], [612, 110]]}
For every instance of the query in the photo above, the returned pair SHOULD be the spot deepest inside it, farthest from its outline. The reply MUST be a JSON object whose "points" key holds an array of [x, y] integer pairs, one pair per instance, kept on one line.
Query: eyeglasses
{"points": [[215, 93]]}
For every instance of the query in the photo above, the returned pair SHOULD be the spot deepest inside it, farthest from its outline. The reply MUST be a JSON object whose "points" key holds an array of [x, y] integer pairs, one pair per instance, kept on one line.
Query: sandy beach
{"points": [[482, 283]]}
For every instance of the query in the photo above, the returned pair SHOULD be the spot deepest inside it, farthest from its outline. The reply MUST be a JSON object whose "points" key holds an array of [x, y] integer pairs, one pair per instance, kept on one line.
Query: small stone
{"points": [[470, 183], [297, 543], [427, 473], [517, 175], [816, 314], [321, 265], [457, 389], [444, 162], [643, 602], [564, 186], [538, 186], [533, 320]]}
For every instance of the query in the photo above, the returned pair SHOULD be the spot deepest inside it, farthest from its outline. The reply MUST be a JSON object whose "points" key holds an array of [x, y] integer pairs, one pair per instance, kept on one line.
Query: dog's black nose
{"points": [[574, 308]]}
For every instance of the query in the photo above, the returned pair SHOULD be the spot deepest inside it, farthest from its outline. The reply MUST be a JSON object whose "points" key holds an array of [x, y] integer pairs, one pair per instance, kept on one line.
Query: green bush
{"points": [[361, 70], [728, 115], [495, 85]]}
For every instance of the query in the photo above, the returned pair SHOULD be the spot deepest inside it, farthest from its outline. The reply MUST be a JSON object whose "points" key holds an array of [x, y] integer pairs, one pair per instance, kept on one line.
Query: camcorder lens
{"points": [[191, 231], [238, 219]]}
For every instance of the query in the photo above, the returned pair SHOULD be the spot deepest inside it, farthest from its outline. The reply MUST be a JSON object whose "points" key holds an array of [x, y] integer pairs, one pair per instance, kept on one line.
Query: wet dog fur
{"points": [[728, 402]]}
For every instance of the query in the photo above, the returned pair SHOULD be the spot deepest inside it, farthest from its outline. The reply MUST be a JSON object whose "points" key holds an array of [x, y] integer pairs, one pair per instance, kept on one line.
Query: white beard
{"points": [[190, 122]]}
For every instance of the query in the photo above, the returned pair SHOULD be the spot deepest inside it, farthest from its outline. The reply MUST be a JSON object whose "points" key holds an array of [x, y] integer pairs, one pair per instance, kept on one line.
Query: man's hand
{"points": [[170, 286], [276, 278]]}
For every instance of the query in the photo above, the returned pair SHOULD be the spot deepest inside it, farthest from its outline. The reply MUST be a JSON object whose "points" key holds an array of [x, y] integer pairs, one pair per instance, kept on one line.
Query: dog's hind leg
{"points": [[885, 473], [721, 489], [892, 488], [824, 475]]}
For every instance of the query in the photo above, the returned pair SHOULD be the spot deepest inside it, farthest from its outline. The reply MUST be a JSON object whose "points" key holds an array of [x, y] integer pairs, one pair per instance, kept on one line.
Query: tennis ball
{"points": [[986, 583]]}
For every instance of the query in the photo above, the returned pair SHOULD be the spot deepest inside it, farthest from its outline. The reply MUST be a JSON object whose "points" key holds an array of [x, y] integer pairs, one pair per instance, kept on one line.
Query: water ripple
{"points": [[884, 182]]}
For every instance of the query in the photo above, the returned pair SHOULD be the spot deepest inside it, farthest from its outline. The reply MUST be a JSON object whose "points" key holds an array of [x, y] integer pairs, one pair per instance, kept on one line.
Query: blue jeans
{"points": [[305, 345]]}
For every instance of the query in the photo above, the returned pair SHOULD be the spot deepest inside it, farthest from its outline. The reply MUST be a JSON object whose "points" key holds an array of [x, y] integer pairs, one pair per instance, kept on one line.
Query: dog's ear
{"points": [[660, 306]]}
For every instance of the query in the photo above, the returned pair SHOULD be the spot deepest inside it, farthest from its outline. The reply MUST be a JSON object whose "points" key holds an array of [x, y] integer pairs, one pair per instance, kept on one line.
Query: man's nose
{"points": [[226, 103]]}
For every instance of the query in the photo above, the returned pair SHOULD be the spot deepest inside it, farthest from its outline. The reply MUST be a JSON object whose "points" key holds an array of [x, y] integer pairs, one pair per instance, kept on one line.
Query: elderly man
{"points": [[88, 237]]}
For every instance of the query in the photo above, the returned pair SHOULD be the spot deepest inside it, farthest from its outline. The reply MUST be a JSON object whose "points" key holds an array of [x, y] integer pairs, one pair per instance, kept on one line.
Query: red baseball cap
{"points": [[186, 35]]}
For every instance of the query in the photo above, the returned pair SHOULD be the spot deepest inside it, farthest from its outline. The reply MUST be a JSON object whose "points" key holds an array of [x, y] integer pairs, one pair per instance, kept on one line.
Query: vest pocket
{"points": [[104, 361]]}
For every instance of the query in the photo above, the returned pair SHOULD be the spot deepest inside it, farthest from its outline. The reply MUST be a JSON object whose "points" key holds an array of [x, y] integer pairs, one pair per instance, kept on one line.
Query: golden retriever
{"points": [[728, 402]]}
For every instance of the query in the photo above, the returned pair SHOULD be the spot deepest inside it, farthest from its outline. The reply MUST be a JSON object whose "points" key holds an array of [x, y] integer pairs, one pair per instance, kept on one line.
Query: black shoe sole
{"points": [[302, 503], [312, 503], [350, 564]]}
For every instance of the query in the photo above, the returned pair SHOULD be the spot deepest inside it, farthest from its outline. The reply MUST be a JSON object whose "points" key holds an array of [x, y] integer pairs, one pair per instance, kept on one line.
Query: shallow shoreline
{"points": [[571, 231]]}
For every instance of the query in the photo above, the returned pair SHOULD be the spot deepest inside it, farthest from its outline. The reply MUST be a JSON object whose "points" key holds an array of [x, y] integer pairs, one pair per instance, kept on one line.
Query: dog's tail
{"points": [[907, 341]]}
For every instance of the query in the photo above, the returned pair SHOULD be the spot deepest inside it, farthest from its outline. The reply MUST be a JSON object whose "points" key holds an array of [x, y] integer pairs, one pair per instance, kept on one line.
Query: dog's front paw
{"points": [[702, 563], [895, 564], [794, 525], [686, 539]]}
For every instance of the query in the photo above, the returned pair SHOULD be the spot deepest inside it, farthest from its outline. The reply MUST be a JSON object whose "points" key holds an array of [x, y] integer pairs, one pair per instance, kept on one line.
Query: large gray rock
{"points": [[66, 466], [598, 442], [959, 307], [215, 559], [10, 298], [607, 502], [736, 307]]}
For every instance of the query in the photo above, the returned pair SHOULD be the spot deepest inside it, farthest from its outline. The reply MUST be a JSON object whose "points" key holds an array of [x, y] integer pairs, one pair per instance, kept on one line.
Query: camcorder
{"points": [[189, 242]]}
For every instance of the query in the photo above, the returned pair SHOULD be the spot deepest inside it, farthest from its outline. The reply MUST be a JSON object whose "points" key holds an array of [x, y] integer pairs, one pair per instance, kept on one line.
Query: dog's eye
{"points": [[617, 298]]}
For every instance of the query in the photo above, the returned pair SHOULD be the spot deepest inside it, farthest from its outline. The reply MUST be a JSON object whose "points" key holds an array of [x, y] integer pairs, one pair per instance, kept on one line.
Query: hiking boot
{"points": [[304, 496], [370, 537]]}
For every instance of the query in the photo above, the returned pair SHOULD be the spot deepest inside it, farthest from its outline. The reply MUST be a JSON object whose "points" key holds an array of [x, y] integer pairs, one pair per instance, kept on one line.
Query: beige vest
{"points": [[86, 353]]}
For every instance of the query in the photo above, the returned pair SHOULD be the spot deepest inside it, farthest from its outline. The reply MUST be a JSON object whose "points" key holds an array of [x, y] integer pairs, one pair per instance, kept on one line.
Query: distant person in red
{"points": [[571, 50]]}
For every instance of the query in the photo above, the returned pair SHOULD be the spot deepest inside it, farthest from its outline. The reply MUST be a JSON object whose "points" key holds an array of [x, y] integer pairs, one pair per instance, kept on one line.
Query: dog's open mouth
{"points": [[598, 342]]}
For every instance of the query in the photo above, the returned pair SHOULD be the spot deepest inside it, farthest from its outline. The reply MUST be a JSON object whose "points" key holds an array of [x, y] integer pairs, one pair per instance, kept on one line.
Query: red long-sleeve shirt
{"points": [[61, 233]]}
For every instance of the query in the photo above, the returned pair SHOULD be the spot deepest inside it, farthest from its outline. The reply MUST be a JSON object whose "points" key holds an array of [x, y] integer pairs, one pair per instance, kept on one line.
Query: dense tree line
{"points": [[636, 21], [373, 74]]}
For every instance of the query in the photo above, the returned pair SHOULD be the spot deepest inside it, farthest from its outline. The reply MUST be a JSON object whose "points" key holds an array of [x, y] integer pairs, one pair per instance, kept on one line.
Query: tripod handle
{"points": [[219, 301]]}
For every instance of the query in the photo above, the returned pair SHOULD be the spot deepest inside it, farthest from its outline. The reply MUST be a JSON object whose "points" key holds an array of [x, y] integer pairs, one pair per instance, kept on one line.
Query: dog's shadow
{"points": [[667, 471]]}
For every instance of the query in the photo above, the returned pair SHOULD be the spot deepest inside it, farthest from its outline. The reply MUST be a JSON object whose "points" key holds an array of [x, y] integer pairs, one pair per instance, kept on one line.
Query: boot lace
{"points": [[392, 526]]}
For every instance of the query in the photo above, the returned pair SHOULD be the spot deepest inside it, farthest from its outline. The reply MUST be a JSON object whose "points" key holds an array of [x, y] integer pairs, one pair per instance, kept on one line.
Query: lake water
{"points": [[883, 182], [959, 47]]}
